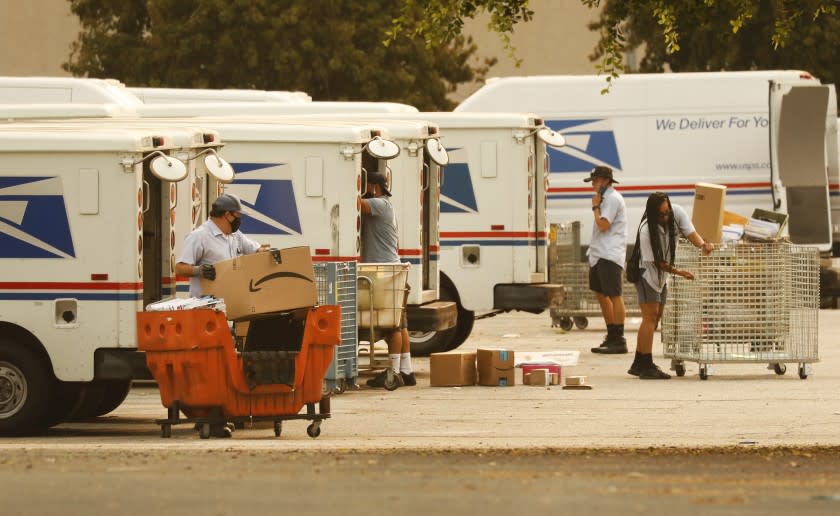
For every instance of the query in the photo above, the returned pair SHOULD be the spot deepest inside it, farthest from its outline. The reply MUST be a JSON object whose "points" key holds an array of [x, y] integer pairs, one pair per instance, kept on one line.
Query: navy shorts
{"points": [[605, 278], [646, 294]]}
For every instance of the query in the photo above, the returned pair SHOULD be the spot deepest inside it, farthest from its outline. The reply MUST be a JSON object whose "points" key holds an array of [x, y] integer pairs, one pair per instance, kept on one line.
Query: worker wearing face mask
{"points": [[216, 240]]}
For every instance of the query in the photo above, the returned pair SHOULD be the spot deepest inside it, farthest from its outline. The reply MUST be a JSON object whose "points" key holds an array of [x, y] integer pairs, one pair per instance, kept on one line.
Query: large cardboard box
{"points": [[707, 214], [496, 367], [261, 283], [452, 369]]}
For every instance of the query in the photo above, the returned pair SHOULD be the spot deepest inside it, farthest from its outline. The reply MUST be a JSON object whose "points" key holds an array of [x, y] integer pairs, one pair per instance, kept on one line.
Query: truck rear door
{"points": [[798, 159]]}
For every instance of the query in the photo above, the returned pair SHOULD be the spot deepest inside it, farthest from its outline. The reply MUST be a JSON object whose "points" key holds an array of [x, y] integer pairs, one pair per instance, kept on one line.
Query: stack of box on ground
{"points": [[280, 363], [541, 374], [489, 367]]}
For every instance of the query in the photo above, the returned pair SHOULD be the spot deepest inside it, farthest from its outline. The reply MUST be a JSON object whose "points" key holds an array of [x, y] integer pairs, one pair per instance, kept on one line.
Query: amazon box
{"points": [[452, 369], [272, 281], [495, 367], [707, 214]]}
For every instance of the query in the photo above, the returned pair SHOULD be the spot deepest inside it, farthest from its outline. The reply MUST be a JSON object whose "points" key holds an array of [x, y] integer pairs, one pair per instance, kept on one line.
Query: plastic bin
{"points": [[381, 295], [192, 357]]}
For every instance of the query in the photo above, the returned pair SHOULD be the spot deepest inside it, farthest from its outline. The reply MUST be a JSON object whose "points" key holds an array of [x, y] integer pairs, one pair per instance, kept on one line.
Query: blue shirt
{"points": [[610, 244], [207, 244]]}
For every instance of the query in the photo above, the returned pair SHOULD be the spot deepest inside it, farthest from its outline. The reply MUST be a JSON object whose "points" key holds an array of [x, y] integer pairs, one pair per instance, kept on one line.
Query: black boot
{"points": [[637, 366], [606, 341], [616, 345]]}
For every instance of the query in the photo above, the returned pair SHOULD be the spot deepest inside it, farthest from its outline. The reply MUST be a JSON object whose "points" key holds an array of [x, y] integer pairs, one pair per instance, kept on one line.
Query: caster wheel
{"points": [[566, 323], [581, 322], [803, 373], [780, 369], [679, 369], [391, 380], [704, 374], [278, 428], [204, 431], [314, 430], [166, 431]]}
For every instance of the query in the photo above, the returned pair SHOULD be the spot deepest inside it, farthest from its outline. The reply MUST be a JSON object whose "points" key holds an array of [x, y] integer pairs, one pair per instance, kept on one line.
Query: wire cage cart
{"points": [[382, 292], [567, 269], [336, 283], [749, 302]]}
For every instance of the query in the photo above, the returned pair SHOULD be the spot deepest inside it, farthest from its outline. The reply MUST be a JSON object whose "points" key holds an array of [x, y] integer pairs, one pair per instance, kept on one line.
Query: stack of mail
{"points": [[189, 303], [762, 229]]}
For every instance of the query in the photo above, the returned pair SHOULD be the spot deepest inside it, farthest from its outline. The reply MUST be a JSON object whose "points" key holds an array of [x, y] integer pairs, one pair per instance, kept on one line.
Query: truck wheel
{"points": [[466, 319], [64, 400], [116, 391], [26, 387], [89, 400], [424, 344]]}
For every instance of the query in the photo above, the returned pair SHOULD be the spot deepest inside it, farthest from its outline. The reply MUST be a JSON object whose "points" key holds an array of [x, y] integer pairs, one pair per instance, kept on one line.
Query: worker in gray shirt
{"points": [[380, 245]]}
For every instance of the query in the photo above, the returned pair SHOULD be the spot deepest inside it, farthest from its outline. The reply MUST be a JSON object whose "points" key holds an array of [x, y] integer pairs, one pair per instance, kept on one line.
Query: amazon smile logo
{"points": [[255, 287]]}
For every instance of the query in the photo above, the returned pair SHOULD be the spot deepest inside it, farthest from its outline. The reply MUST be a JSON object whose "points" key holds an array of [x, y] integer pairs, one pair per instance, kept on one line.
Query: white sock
{"points": [[395, 361], [405, 363]]}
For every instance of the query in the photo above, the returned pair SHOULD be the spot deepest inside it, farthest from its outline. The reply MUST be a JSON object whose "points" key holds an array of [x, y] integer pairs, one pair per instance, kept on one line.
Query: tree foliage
{"points": [[689, 35], [331, 49], [671, 19]]}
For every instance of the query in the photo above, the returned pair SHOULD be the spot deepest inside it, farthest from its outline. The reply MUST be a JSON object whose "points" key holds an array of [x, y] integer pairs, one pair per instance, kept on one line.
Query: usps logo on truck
{"points": [[268, 198], [33, 219], [457, 194], [589, 143]]}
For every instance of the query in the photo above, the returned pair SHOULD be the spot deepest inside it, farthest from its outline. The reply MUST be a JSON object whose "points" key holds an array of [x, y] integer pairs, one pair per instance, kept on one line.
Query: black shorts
{"points": [[605, 278]]}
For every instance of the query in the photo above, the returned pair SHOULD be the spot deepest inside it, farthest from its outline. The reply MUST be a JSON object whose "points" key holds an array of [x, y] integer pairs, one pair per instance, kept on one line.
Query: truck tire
{"points": [[26, 387], [424, 344], [116, 391], [64, 400], [466, 319], [89, 400]]}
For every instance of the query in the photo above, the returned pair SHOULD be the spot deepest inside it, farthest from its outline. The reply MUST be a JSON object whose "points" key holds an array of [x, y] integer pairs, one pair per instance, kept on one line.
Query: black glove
{"points": [[208, 272]]}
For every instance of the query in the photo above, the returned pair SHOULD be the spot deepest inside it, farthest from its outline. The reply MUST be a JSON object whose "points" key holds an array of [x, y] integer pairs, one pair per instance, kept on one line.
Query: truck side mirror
{"points": [[437, 152], [551, 138]]}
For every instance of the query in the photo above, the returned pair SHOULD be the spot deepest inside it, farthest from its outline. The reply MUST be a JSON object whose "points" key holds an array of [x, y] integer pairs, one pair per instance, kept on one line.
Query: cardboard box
{"points": [[261, 283], [496, 367], [452, 369], [538, 377], [554, 370], [707, 214]]}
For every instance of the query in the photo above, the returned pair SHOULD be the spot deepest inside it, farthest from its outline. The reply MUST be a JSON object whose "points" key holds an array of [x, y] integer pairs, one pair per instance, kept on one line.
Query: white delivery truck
{"points": [[493, 217], [64, 90], [83, 220], [297, 184], [180, 95], [670, 131]]}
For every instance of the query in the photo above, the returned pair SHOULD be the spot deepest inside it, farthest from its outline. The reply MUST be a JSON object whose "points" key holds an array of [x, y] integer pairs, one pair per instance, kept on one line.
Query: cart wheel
{"points": [[566, 323], [204, 431], [391, 381], [780, 369], [803, 374], [704, 375], [340, 386], [166, 430], [679, 369], [581, 322], [278, 428], [314, 430]]}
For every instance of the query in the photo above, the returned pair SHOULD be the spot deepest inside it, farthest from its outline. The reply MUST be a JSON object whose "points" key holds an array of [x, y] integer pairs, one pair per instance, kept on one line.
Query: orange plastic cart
{"points": [[278, 369]]}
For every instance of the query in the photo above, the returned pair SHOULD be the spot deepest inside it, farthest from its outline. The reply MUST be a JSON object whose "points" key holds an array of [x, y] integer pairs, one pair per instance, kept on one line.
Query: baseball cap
{"points": [[227, 202], [378, 178]]}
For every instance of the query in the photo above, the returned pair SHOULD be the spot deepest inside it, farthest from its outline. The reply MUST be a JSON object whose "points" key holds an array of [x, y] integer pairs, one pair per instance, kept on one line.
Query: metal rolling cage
{"points": [[749, 302], [336, 283], [567, 269]]}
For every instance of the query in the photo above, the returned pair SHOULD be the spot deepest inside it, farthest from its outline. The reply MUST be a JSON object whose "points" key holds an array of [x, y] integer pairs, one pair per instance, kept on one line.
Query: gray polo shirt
{"points": [[682, 220], [208, 245], [611, 244], [379, 232]]}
